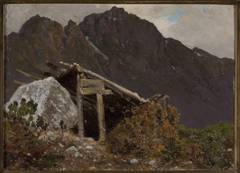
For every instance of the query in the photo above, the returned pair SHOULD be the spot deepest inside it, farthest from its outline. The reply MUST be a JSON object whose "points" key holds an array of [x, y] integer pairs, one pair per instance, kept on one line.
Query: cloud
{"points": [[210, 27]]}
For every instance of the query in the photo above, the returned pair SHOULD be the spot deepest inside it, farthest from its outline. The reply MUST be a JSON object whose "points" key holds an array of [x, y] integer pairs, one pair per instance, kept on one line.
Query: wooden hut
{"points": [[101, 103]]}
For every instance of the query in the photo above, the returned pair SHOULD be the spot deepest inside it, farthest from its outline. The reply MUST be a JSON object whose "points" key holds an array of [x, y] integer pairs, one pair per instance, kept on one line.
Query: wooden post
{"points": [[101, 118], [80, 108]]}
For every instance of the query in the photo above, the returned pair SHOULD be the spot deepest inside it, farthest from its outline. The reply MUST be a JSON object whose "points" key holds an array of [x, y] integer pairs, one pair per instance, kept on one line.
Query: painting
{"points": [[119, 87]]}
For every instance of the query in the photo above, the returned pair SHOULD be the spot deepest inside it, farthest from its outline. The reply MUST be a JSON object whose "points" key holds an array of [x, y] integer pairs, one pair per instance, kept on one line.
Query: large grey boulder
{"points": [[54, 102]]}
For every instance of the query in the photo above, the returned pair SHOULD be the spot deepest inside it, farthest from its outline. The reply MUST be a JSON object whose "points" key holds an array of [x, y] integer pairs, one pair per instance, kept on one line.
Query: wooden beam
{"points": [[65, 64], [19, 82], [101, 118], [92, 83], [80, 108], [91, 91], [106, 92], [28, 74]]}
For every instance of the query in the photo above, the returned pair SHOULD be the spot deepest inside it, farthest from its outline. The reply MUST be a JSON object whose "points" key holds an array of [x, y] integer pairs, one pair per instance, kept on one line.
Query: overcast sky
{"points": [[210, 27]]}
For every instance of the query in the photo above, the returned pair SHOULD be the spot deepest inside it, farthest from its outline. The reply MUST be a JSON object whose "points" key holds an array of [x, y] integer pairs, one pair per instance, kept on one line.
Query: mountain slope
{"points": [[132, 52]]}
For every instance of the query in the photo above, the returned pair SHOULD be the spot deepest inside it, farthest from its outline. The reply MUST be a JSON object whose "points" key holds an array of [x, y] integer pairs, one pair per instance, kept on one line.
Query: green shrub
{"points": [[210, 147], [25, 113], [215, 141], [23, 109]]}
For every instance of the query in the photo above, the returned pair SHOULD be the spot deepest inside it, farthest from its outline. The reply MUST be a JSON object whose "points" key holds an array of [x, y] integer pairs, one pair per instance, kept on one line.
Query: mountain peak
{"points": [[117, 9], [116, 12], [71, 22], [38, 24], [71, 27]]}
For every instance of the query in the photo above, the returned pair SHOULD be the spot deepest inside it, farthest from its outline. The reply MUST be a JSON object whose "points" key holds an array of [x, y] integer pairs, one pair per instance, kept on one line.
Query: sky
{"points": [[209, 27]]}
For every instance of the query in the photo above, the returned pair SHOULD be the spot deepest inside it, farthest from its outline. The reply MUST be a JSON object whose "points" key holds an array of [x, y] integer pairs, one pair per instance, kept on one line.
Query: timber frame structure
{"points": [[89, 90]]}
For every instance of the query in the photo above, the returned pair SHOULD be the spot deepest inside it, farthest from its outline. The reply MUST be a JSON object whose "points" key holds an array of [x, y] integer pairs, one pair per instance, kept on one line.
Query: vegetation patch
{"points": [[154, 132], [150, 139]]}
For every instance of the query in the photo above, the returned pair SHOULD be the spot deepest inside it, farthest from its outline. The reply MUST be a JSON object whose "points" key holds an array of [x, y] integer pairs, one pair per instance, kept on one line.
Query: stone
{"points": [[77, 155], [71, 150], [133, 161], [51, 136], [89, 140], [61, 145], [176, 167], [89, 147], [188, 162], [152, 162], [92, 168], [54, 102]]}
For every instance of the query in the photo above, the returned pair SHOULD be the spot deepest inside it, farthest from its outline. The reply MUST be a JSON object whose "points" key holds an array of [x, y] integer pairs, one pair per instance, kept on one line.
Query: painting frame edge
{"points": [[235, 3]]}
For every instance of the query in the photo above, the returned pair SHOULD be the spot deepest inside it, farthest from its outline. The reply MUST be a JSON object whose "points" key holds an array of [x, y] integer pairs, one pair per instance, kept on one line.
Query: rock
{"points": [[71, 150], [54, 102], [77, 155], [70, 137], [51, 136], [188, 163], [89, 140], [61, 145], [152, 162], [42, 137], [89, 147], [133, 161], [92, 168]]}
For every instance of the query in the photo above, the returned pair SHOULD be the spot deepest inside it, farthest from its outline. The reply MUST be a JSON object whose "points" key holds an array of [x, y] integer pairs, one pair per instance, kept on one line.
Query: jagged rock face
{"points": [[54, 102], [133, 53], [198, 83]]}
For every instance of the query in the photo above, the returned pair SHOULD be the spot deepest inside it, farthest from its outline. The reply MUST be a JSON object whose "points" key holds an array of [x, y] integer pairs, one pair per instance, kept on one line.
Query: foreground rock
{"points": [[54, 102]]}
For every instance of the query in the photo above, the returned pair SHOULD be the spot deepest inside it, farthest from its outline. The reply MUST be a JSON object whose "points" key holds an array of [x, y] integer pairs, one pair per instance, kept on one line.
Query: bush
{"points": [[22, 146], [149, 132], [191, 148], [25, 113], [216, 141], [209, 147], [153, 131]]}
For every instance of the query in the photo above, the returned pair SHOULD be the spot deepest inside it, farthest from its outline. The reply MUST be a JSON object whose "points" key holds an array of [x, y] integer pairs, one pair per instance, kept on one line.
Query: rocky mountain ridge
{"points": [[131, 52]]}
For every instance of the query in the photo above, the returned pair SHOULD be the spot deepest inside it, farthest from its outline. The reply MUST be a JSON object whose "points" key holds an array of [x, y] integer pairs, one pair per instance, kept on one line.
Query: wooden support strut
{"points": [[90, 87], [101, 118], [80, 108]]}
